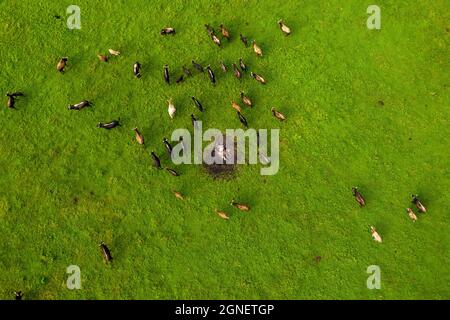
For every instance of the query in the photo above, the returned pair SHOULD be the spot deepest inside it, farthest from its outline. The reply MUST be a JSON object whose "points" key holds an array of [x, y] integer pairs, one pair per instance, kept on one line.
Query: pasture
{"points": [[366, 108]]}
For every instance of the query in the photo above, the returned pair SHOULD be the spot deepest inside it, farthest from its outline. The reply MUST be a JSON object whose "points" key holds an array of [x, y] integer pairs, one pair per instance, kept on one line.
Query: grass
{"points": [[66, 185]]}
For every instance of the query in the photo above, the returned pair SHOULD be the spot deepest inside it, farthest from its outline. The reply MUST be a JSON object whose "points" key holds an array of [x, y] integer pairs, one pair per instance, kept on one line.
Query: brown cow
{"points": [[139, 136], [358, 197], [240, 206]]}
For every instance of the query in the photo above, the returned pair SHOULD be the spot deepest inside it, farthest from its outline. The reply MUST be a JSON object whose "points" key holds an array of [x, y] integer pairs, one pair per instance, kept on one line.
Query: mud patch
{"points": [[227, 168], [220, 171]]}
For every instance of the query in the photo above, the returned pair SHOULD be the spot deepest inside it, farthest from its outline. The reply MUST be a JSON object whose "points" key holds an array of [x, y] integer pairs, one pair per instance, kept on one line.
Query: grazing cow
{"points": [[105, 251], [139, 136], [375, 235], [258, 78], [235, 106], [225, 32], [236, 71], [186, 71], [180, 79], [137, 70], [242, 119], [61, 64], [264, 159], [223, 67], [242, 65], [240, 206], [166, 73], [256, 49], [156, 161], [172, 172], [167, 30], [211, 75], [108, 125], [113, 52], [168, 146], [18, 295], [223, 215], [79, 106], [244, 40], [178, 195], [411, 214], [197, 104], [171, 109], [102, 57], [216, 40], [198, 66], [246, 100], [418, 204], [11, 102], [358, 197], [278, 115], [284, 28]]}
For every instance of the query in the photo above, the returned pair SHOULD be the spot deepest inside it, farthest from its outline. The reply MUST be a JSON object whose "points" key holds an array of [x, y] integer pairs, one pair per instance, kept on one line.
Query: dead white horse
{"points": [[222, 151]]}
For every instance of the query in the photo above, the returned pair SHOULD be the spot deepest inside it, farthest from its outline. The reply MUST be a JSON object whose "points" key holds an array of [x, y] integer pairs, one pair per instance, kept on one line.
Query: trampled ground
{"points": [[66, 185]]}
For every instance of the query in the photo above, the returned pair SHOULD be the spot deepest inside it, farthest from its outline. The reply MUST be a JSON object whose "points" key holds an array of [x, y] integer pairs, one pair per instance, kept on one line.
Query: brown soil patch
{"points": [[225, 169]]}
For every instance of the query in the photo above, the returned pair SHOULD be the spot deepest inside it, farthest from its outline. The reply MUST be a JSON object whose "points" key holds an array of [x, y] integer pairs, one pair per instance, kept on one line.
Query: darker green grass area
{"points": [[66, 185]]}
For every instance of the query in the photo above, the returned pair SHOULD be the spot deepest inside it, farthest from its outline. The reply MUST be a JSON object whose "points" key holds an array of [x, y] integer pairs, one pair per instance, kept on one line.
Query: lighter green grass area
{"points": [[327, 78]]}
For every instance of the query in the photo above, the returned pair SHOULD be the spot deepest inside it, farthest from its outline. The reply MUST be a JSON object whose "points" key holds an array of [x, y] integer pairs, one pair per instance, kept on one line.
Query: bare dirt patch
{"points": [[228, 167]]}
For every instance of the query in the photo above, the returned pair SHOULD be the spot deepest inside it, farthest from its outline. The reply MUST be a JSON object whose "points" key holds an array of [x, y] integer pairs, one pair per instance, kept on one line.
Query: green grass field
{"points": [[66, 185]]}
